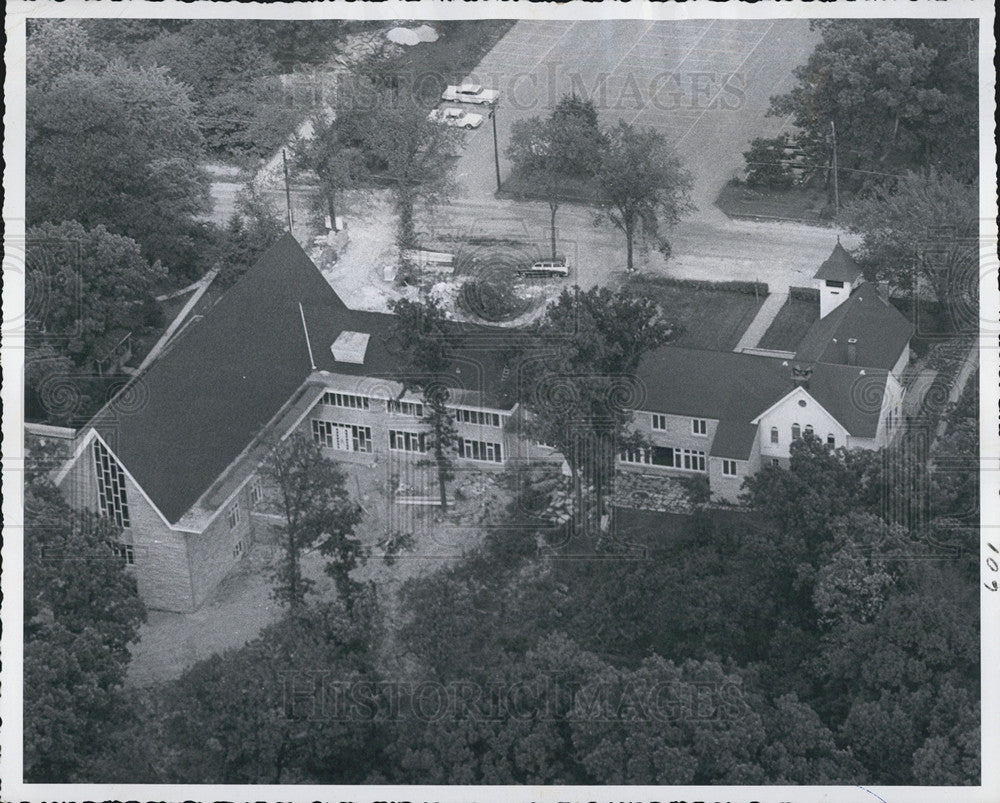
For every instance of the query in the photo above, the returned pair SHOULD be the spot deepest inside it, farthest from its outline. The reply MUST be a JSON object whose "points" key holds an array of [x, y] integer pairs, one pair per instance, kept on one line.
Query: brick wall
{"points": [[161, 560]]}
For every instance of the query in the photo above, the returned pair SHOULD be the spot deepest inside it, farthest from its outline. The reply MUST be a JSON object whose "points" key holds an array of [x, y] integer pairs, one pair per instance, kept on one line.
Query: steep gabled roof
{"points": [[839, 266], [229, 374], [881, 331], [734, 388]]}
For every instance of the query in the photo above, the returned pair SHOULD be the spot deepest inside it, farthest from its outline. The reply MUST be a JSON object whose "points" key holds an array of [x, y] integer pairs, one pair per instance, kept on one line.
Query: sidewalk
{"points": [[765, 317]]}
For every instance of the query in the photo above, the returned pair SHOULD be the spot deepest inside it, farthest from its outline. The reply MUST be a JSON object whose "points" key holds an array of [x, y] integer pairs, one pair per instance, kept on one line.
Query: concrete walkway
{"points": [[765, 316]]}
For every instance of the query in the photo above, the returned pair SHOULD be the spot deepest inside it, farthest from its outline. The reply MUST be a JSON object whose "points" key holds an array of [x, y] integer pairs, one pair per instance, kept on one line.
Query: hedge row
{"points": [[804, 293], [748, 288]]}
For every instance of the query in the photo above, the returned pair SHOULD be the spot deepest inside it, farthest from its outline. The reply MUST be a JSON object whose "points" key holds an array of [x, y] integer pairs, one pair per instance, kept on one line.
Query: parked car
{"points": [[457, 118], [547, 267], [470, 93]]}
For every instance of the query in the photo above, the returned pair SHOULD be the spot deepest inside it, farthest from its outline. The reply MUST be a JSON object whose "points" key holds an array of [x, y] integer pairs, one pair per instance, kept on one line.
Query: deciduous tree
{"points": [[549, 154], [316, 511], [921, 230], [642, 184], [119, 147]]}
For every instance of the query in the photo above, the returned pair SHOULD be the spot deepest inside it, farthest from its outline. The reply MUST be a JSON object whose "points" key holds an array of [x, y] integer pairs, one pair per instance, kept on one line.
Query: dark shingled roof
{"points": [[229, 374], [734, 388], [881, 330], [839, 266]]}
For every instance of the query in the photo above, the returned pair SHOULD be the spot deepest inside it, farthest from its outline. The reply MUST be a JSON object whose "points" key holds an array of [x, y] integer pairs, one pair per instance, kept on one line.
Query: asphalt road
{"points": [[705, 84]]}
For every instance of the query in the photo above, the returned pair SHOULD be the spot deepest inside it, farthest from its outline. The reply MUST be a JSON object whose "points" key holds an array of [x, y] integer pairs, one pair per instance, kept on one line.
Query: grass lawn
{"points": [[790, 325], [809, 205], [709, 319]]}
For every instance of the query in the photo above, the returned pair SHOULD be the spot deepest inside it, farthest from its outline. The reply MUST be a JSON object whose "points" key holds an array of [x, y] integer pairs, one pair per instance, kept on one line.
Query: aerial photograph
{"points": [[522, 402]]}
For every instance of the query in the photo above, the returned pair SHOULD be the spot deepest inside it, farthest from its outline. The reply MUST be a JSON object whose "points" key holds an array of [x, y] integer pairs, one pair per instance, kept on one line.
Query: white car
{"points": [[456, 118], [470, 93], [546, 268]]}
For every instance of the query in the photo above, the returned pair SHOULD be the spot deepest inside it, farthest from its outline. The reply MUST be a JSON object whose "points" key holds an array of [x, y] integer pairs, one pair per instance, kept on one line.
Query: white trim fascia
{"points": [[71, 460], [145, 495], [790, 394]]}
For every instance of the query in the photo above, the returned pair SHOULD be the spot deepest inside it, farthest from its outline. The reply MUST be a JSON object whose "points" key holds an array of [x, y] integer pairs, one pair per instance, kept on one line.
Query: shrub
{"points": [[748, 288], [804, 293], [490, 299]]}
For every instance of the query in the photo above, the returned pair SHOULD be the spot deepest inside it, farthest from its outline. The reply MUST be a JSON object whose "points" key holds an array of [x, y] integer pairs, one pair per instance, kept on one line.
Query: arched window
{"points": [[774, 434], [796, 432], [830, 440], [809, 429]]}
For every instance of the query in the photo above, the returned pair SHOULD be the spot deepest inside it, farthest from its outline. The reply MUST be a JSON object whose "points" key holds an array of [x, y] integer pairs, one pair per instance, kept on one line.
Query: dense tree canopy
{"points": [[921, 232], [118, 147], [81, 612], [901, 94], [95, 287]]}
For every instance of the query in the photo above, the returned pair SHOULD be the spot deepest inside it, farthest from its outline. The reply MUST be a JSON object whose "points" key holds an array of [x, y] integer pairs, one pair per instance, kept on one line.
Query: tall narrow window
{"points": [[809, 429], [774, 434], [831, 440], [111, 494], [796, 432]]}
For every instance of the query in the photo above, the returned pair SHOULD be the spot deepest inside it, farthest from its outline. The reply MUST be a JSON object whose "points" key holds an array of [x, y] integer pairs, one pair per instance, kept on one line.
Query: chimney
{"points": [[350, 347], [801, 375], [852, 351]]}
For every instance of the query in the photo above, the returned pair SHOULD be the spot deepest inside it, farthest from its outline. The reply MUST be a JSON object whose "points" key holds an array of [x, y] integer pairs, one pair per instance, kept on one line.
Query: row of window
{"points": [[407, 441], [486, 451], [334, 399], [463, 414], [467, 416], [344, 437], [797, 431], [415, 409], [666, 456], [354, 438], [699, 426], [110, 486]]}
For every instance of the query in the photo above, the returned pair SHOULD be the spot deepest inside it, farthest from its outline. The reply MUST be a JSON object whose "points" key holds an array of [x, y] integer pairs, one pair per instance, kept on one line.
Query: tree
{"points": [[337, 164], [423, 333], [56, 47], [316, 511], [81, 612], [768, 163], [401, 148], [94, 288], [549, 154], [641, 184], [421, 329], [581, 385], [119, 148], [252, 229], [295, 704], [883, 85], [233, 81], [921, 228]]}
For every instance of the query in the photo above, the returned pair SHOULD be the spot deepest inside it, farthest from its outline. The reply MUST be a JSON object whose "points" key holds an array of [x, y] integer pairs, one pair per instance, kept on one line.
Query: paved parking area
{"points": [[705, 84]]}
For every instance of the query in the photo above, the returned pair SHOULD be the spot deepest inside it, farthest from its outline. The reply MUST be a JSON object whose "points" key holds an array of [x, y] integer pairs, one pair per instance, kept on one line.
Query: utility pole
{"points": [[836, 186], [496, 149], [288, 192]]}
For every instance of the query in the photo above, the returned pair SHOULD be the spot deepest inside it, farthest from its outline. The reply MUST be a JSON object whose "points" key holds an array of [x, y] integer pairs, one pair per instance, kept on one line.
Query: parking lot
{"points": [[706, 84]]}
